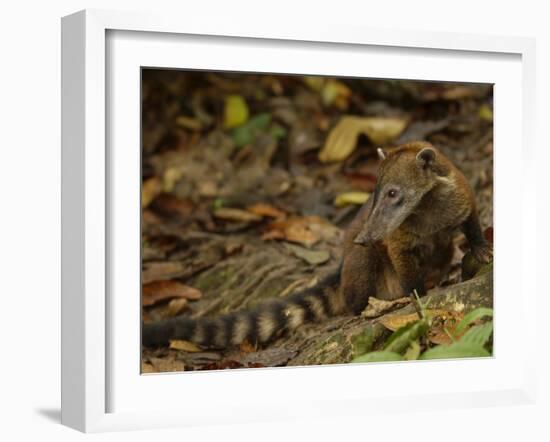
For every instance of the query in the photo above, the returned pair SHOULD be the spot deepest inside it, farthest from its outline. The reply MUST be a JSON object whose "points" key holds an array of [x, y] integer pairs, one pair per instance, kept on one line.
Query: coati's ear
{"points": [[425, 158], [381, 154]]}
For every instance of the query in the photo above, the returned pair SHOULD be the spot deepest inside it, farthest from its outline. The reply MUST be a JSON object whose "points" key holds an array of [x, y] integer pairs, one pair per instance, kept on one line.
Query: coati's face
{"points": [[405, 176]]}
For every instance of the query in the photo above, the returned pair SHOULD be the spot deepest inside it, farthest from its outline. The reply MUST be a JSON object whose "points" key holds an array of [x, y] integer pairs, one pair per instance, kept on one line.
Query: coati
{"points": [[401, 237]]}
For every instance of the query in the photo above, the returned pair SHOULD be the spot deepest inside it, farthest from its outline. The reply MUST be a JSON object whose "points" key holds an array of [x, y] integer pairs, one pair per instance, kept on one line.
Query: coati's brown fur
{"points": [[401, 237]]}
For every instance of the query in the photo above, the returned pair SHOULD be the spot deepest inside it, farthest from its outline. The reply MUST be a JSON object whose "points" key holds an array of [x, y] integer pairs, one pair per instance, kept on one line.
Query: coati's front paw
{"points": [[483, 253]]}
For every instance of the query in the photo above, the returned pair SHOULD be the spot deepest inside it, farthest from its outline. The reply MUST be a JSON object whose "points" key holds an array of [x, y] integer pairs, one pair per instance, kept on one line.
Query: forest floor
{"points": [[250, 180]]}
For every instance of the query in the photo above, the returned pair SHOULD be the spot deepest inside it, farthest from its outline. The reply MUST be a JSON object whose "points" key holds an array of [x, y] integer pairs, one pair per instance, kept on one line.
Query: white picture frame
{"points": [[92, 327]]}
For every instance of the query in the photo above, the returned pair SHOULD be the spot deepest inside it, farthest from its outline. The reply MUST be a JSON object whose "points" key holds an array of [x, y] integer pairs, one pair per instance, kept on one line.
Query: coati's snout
{"points": [[405, 176], [391, 206]]}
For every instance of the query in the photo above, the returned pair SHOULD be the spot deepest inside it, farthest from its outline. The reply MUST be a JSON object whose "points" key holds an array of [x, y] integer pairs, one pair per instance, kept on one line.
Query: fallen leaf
{"points": [[179, 344], [342, 139], [301, 233], [263, 209], [485, 113], [157, 291], [348, 198], [335, 93], [230, 214], [161, 270], [189, 123], [147, 367], [332, 92], [377, 307], [313, 257], [171, 176], [161, 365], [149, 190], [307, 230], [235, 111], [246, 347], [394, 322], [171, 206], [176, 306]]}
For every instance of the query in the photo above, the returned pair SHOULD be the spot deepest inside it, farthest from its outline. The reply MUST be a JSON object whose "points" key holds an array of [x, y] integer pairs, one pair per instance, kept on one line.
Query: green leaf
{"points": [[277, 131], [413, 352], [402, 338], [247, 133], [473, 316], [456, 350], [259, 122], [379, 356], [242, 136], [217, 203], [478, 335]]}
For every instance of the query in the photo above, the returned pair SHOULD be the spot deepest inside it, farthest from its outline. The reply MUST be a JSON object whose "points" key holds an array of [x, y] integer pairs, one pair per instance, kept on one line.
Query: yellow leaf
{"points": [[347, 198], [485, 113], [335, 92], [315, 83], [342, 139], [381, 130], [178, 344], [235, 111], [149, 190]]}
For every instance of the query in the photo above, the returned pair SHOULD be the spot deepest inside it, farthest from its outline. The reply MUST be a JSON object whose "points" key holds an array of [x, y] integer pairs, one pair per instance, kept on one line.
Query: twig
{"points": [[417, 304]]}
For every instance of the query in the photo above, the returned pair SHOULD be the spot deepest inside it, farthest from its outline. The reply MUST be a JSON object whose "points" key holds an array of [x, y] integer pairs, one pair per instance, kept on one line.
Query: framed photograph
{"points": [[264, 220]]}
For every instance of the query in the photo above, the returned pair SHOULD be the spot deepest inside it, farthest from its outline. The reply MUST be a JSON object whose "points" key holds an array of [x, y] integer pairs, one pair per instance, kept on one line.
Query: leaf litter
{"points": [[263, 173]]}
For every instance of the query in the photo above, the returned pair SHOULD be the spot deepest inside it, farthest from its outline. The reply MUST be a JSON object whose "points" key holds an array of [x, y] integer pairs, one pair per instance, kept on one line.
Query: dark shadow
{"points": [[51, 414]]}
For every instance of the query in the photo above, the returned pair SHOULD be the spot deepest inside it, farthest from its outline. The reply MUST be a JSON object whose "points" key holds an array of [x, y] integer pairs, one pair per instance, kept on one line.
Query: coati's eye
{"points": [[392, 193]]}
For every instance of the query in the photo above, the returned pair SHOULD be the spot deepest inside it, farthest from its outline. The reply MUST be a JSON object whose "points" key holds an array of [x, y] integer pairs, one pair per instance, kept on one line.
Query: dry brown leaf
{"points": [[171, 176], [301, 233], [273, 234], [342, 139], [149, 190], [189, 123], [147, 367], [157, 291], [179, 344], [378, 307], [176, 306], [169, 205], [394, 322], [313, 257], [307, 230], [445, 320], [230, 214], [246, 347], [264, 209], [161, 270], [161, 365]]}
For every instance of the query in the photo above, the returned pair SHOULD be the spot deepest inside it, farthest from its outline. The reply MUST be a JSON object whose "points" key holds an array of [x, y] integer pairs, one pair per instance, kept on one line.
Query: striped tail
{"points": [[259, 325]]}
